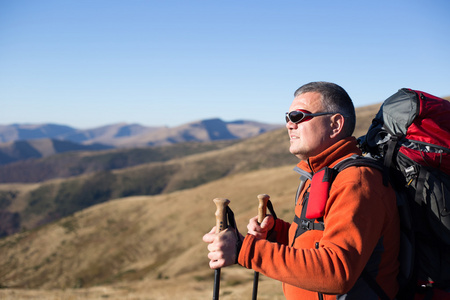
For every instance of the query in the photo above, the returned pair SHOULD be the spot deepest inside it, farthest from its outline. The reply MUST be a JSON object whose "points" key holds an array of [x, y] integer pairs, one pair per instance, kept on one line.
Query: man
{"points": [[361, 225]]}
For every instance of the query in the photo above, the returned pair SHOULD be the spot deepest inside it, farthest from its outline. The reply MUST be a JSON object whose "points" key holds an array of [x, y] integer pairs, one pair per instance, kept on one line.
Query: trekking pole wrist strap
{"points": [[232, 223], [272, 234]]}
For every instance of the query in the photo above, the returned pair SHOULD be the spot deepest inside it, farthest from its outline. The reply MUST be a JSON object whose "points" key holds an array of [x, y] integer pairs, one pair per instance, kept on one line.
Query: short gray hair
{"points": [[334, 99]]}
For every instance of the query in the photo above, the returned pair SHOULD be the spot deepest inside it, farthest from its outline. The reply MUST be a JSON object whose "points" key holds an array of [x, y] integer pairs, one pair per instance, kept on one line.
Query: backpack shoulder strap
{"points": [[358, 160], [307, 220], [364, 161]]}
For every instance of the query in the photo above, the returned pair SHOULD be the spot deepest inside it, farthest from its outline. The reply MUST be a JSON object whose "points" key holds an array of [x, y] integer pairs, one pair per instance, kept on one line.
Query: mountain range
{"points": [[24, 141]]}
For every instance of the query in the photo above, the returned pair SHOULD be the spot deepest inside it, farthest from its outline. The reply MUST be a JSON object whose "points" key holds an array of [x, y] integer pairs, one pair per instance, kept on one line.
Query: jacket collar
{"points": [[330, 157]]}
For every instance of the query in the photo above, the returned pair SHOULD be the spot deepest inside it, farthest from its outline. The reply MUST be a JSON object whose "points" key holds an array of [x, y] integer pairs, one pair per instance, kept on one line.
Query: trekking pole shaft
{"points": [[216, 284], [263, 198], [255, 285], [221, 224]]}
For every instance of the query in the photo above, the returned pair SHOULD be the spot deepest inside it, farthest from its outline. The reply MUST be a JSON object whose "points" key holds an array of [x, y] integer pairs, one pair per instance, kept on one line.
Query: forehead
{"points": [[311, 101]]}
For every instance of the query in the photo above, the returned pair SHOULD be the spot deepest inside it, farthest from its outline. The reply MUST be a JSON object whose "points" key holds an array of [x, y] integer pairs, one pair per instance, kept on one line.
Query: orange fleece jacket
{"points": [[360, 217]]}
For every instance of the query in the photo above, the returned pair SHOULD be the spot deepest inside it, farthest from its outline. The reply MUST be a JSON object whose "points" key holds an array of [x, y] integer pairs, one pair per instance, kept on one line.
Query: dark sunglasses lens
{"points": [[295, 116]]}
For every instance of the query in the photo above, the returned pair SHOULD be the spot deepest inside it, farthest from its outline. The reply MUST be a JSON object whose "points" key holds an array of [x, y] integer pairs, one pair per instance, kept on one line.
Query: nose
{"points": [[291, 125]]}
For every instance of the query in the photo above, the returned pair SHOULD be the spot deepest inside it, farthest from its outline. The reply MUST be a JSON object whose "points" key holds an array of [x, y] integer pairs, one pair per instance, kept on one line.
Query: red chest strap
{"points": [[318, 195]]}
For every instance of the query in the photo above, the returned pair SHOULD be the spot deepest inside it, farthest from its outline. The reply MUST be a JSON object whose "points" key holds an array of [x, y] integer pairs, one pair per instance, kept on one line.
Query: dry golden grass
{"points": [[151, 245], [364, 116]]}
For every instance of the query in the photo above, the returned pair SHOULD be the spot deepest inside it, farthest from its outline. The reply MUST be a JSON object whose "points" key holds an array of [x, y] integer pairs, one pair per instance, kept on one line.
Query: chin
{"points": [[295, 152], [292, 151]]}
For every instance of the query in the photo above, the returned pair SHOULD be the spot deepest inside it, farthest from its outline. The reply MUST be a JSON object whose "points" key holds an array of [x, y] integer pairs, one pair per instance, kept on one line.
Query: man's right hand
{"points": [[221, 247]]}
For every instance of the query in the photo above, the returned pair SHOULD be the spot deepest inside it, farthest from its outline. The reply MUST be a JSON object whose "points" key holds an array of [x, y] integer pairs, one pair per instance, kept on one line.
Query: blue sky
{"points": [[88, 63]]}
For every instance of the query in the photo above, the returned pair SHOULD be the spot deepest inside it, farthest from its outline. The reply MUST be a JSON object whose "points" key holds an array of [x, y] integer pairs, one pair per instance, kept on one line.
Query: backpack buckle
{"points": [[306, 225]]}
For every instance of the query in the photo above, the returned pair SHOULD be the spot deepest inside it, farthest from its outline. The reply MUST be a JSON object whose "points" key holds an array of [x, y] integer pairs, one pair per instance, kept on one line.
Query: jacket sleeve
{"points": [[330, 261]]}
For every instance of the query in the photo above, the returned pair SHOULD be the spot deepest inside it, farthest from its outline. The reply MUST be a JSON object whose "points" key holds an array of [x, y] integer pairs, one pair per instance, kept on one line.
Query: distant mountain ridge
{"points": [[15, 132], [112, 135], [24, 141], [21, 150]]}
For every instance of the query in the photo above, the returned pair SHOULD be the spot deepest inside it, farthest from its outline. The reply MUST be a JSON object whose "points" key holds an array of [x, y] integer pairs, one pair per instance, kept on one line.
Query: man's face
{"points": [[309, 138]]}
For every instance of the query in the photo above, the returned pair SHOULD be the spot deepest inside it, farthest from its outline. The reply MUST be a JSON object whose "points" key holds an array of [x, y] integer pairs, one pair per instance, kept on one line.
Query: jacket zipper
{"points": [[310, 167]]}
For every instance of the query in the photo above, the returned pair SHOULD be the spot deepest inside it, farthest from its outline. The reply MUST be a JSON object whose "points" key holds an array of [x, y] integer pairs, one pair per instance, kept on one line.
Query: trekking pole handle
{"points": [[263, 198], [221, 213]]}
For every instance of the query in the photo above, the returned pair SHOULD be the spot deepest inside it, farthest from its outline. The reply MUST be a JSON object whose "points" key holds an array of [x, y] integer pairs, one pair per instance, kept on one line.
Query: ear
{"points": [[336, 125]]}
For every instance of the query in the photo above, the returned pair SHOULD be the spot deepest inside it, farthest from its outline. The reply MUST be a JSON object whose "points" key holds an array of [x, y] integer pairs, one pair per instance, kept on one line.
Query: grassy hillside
{"points": [[31, 149], [143, 243], [70, 164], [38, 204]]}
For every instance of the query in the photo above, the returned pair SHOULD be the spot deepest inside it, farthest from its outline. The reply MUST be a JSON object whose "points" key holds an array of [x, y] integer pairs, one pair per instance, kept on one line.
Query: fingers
{"points": [[213, 255], [253, 225], [216, 264], [260, 230], [221, 247], [210, 236], [268, 222], [217, 259]]}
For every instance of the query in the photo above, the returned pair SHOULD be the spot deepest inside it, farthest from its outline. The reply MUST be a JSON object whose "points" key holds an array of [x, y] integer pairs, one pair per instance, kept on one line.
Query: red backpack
{"points": [[411, 135], [417, 125]]}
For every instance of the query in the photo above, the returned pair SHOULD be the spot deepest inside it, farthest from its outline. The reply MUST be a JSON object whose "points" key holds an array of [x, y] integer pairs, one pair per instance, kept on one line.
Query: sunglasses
{"points": [[297, 116]]}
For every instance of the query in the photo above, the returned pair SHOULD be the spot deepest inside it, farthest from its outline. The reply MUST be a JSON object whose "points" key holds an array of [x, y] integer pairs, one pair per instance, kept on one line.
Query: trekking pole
{"points": [[221, 224], [263, 198]]}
